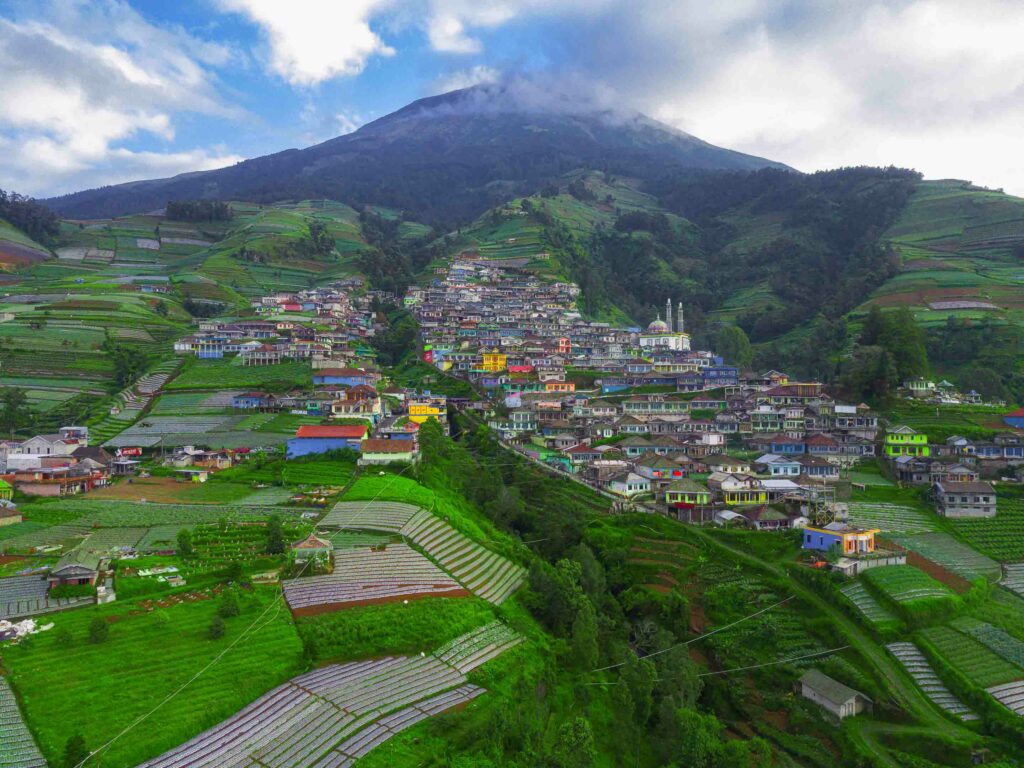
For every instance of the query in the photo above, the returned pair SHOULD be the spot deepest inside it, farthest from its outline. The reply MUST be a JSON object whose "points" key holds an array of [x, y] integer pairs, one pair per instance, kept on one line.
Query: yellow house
{"points": [[745, 496], [559, 386], [420, 412], [494, 361], [904, 441]]}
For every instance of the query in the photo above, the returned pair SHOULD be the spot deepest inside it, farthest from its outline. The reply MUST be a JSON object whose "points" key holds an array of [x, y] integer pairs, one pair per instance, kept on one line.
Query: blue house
{"points": [[252, 400], [1015, 419], [787, 446], [345, 377], [321, 439]]}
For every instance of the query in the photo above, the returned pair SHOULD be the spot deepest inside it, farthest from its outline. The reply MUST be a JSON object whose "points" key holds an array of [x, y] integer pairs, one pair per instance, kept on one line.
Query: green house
{"points": [[686, 493], [6, 491], [904, 441]]}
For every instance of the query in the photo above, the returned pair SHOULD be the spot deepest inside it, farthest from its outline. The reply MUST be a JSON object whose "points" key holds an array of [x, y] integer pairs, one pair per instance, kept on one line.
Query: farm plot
{"points": [[367, 576], [167, 430], [906, 584], [17, 747], [997, 640], [55, 535], [329, 717], [866, 603], [80, 688], [1013, 578], [388, 516], [127, 514], [894, 518], [109, 539], [951, 554], [476, 648], [349, 539], [974, 661], [485, 573], [917, 666], [1000, 537], [1010, 695]]}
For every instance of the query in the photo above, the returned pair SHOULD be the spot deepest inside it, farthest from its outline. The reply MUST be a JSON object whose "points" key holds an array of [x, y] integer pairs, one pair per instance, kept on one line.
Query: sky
{"points": [[105, 91]]}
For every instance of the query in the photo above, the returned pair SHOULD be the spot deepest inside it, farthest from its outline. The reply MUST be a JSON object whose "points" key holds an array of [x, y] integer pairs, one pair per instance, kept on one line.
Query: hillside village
{"points": [[385, 470]]}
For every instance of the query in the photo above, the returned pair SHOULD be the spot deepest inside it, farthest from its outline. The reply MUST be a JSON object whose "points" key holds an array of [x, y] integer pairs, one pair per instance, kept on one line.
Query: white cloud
{"points": [[68, 104], [466, 78], [315, 40]]}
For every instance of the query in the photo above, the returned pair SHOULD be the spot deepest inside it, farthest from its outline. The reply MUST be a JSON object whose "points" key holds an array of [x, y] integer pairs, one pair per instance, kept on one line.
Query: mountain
{"points": [[444, 159]]}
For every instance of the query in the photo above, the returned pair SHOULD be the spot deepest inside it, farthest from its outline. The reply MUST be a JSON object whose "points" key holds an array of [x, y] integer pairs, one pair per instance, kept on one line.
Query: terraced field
{"points": [[485, 573], [951, 554], [332, 716], [22, 596], [906, 584], [917, 666], [997, 640], [872, 610], [975, 661], [1000, 537], [891, 518], [17, 747], [1010, 695], [365, 576]]}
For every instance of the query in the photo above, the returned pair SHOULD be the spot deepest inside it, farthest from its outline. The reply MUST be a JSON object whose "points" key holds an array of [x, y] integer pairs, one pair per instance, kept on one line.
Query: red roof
{"points": [[340, 372], [1019, 412], [347, 431], [388, 446]]}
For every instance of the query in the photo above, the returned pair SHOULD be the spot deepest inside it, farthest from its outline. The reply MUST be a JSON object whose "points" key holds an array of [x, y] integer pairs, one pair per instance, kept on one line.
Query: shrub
{"points": [[99, 630], [217, 628]]}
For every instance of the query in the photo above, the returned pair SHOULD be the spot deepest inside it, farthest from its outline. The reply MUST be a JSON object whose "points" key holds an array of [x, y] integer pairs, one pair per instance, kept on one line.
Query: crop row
{"points": [[17, 747], [917, 666], [891, 517], [975, 661], [1000, 537], [951, 554]]}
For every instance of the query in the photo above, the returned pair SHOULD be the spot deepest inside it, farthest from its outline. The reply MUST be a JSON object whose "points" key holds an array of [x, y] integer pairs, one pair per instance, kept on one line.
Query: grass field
{"points": [[393, 628], [230, 373], [97, 690]]}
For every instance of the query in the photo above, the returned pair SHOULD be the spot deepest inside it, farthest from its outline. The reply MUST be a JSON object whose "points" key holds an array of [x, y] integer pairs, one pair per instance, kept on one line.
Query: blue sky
{"points": [[100, 92]]}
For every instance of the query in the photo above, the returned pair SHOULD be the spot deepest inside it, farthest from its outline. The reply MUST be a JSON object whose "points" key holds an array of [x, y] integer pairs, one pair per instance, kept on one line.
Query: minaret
{"points": [[680, 325], [668, 313]]}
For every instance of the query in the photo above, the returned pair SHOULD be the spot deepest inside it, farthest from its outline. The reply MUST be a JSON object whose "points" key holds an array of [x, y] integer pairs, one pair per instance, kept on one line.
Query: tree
{"points": [[584, 636], [575, 744], [15, 412], [228, 605], [75, 751], [64, 637], [161, 308], [734, 346], [216, 627], [638, 675], [185, 549], [99, 631], [697, 738], [275, 536]]}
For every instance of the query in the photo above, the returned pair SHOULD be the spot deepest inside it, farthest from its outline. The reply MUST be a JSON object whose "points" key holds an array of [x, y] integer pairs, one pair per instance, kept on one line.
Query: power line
{"points": [[706, 634], [774, 663], [274, 604]]}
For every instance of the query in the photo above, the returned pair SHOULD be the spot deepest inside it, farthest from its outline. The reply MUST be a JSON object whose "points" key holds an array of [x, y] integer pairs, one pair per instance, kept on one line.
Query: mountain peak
{"points": [[444, 158]]}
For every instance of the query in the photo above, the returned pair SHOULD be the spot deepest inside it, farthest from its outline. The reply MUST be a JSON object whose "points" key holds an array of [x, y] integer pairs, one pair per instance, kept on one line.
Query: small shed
{"points": [[311, 547], [835, 698]]}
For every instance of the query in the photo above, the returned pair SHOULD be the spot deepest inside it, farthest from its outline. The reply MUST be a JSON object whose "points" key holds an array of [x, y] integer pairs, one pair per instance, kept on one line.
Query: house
{"points": [[376, 451], [1015, 419], [904, 441], [311, 548], [247, 401], [817, 468], [6, 491], [722, 463], [737, 489], [919, 387], [846, 539], [629, 484], [76, 568], [777, 466], [684, 494], [346, 377], [835, 698], [320, 439], [962, 499], [9, 514]]}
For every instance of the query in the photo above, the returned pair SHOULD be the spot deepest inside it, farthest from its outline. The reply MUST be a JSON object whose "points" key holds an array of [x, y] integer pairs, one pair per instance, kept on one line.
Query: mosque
{"points": [[661, 336]]}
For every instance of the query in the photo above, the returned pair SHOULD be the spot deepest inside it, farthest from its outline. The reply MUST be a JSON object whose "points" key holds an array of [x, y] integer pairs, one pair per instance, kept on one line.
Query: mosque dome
{"points": [[658, 326]]}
